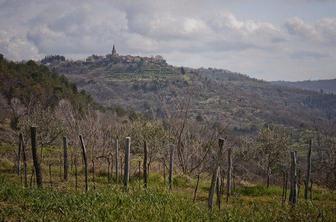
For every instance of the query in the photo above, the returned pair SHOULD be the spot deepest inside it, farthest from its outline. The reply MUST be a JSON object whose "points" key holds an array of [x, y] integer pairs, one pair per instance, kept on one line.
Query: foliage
{"points": [[33, 84]]}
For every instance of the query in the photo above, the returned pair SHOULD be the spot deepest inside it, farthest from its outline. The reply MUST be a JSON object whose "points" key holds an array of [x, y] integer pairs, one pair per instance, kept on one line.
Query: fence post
{"points": [[215, 173], [19, 156], [229, 174], [65, 158], [93, 174], [116, 160], [50, 176], [85, 163], [108, 169], [171, 165], [24, 157], [219, 190], [164, 171], [284, 186], [307, 181], [213, 187], [196, 188], [145, 175], [293, 190], [76, 172], [36, 161], [127, 162]]}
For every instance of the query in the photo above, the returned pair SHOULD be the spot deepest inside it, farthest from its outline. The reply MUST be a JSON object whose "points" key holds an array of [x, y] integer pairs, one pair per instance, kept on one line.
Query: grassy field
{"points": [[109, 202]]}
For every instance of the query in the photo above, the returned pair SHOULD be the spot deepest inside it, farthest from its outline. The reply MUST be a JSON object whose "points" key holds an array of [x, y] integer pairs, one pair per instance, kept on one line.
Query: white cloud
{"points": [[323, 31]]}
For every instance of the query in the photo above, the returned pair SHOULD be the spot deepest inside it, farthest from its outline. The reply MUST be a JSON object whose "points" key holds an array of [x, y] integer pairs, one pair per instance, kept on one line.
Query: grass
{"points": [[109, 202]]}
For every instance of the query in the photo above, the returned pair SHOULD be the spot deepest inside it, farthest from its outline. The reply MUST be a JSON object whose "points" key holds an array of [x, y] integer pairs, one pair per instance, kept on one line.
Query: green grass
{"points": [[109, 202]]}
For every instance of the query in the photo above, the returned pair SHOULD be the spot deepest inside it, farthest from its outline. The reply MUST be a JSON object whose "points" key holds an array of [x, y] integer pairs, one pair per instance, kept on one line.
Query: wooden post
{"points": [[60, 167], [311, 190], [65, 159], [213, 187], [145, 176], [108, 169], [127, 162], [24, 157], [215, 173], [19, 156], [293, 190], [31, 178], [298, 182], [50, 176], [196, 188], [139, 173], [93, 175], [171, 165], [112, 167], [229, 174], [218, 190], [116, 160], [164, 171], [308, 179], [268, 176], [76, 172], [35, 157], [284, 187], [121, 168], [85, 163]]}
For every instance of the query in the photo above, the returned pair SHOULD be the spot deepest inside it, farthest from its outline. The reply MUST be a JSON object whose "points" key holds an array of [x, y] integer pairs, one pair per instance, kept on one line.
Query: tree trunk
{"points": [[35, 157], [85, 163]]}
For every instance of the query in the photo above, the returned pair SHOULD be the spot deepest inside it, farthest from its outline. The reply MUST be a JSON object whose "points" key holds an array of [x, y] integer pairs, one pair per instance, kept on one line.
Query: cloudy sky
{"points": [[266, 39]]}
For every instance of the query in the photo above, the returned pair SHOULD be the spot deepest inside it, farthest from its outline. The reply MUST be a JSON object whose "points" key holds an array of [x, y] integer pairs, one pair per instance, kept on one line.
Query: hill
{"points": [[26, 85], [153, 87], [324, 86]]}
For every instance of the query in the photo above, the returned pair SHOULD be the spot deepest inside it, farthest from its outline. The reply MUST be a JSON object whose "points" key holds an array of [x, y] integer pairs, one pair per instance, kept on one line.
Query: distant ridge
{"points": [[153, 87], [325, 86]]}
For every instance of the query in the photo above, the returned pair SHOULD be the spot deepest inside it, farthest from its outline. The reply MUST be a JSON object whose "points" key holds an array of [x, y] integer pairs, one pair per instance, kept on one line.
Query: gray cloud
{"points": [[309, 55], [189, 33]]}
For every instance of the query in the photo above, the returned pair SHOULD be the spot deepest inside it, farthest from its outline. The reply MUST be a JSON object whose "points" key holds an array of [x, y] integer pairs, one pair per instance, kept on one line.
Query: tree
{"points": [[272, 148]]}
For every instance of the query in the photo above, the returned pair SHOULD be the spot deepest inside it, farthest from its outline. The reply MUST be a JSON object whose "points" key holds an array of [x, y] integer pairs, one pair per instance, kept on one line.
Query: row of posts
{"points": [[216, 181], [38, 171]]}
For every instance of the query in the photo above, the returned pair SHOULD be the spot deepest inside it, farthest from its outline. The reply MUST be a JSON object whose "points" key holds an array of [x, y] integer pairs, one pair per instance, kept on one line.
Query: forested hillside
{"points": [[151, 86], [28, 88], [323, 86]]}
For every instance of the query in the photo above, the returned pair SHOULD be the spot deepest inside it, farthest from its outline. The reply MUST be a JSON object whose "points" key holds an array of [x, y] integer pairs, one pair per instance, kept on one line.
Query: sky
{"points": [[266, 39]]}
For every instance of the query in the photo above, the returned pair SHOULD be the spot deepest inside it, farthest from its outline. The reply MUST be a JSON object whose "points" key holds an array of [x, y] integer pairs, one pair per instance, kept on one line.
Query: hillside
{"points": [[326, 86], [26, 86], [152, 86]]}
